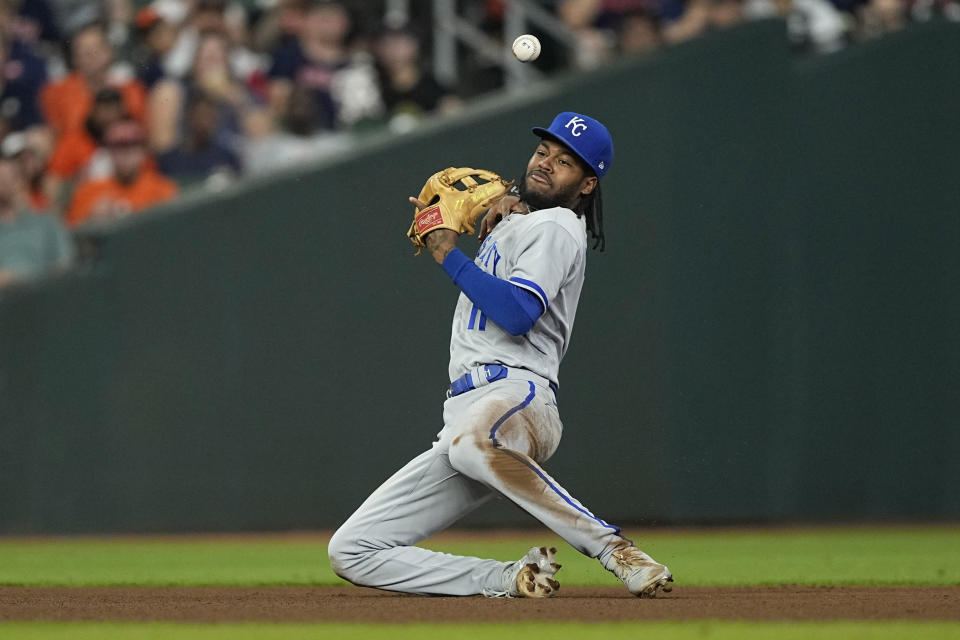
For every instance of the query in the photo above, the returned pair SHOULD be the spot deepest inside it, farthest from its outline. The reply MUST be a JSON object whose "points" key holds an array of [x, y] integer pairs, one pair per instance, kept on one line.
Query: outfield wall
{"points": [[771, 334]]}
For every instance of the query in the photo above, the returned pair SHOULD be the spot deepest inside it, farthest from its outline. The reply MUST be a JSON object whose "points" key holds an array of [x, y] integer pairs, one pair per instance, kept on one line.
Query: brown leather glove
{"points": [[454, 199]]}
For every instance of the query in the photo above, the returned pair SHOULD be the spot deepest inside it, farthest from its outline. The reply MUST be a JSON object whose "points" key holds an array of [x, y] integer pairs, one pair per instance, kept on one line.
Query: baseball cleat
{"points": [[643, 576], [532, 576]]}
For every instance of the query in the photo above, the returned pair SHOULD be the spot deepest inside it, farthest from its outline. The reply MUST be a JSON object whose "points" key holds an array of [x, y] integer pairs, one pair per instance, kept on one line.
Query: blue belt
{"points": [[486, 373]]}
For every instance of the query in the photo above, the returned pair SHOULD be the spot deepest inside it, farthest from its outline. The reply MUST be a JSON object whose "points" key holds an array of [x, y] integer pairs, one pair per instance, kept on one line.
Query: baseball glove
{"points": [[455, 198]]}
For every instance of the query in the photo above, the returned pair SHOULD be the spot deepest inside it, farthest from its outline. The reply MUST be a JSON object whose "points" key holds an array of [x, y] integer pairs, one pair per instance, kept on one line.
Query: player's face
{"points": [[555, 177]]}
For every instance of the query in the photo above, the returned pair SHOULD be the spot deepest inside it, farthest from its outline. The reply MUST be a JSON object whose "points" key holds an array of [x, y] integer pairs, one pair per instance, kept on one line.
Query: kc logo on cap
{"points": [[576, 126]]}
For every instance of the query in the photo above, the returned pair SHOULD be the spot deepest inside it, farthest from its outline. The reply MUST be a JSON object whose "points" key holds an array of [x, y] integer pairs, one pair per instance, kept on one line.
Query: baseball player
{"points": [[511, 328]]}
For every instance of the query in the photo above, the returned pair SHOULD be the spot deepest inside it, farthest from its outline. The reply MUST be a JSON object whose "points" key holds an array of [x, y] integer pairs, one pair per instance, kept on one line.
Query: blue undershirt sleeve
{"points": [[513, 308]]}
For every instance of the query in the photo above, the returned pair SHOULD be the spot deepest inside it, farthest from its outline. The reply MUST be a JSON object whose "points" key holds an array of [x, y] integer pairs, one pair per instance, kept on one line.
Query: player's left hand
{"points": [[439, 242], [453, 200]]}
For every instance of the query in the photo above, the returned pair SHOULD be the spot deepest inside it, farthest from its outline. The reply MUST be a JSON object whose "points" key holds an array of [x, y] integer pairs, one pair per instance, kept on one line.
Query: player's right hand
{"points": [[504, 207]]}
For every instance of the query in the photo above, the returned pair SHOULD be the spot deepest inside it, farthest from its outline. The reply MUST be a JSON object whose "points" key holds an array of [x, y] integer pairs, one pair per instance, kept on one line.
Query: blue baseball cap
{"points": [[586, 137]]}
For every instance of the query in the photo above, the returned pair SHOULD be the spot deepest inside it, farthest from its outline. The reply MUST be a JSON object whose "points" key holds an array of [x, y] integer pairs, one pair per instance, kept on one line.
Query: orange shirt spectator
{"points": [[76, 148], [76, 154], [134, 185], [110, 198], [66, 103]]}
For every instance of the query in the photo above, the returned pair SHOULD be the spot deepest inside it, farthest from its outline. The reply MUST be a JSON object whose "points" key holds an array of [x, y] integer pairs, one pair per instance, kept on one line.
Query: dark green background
{"points": [[771, 334]]}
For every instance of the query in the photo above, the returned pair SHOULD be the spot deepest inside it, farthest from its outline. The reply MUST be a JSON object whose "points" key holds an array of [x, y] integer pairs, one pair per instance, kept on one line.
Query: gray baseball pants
{"points": [[493, 440]]}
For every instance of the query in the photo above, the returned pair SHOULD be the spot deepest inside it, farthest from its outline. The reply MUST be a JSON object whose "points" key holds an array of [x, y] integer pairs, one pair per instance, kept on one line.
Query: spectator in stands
{"points": [[408, 88], [134, 185], [79, 154], [344, 85], [66, 103], [878, 17], [694, 21], [157, 37], [30, 244], [702, 16], [35, 22], [300, 139], [280, 27], [22, 75], [594, 46], [220, 16], [31, 149], [666, 10], [210, 75], [812, 25], [638, 33], [725, 13], [71, 15], [202, 153]]}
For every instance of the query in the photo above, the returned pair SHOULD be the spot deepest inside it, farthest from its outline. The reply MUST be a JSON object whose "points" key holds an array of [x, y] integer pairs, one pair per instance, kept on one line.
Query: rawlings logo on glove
{"points": [[428, 219], [455, 198]]}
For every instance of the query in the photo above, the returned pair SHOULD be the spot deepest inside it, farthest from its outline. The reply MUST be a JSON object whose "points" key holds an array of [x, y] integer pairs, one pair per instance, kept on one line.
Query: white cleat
{"points": [[643, 575], [531, 576]]}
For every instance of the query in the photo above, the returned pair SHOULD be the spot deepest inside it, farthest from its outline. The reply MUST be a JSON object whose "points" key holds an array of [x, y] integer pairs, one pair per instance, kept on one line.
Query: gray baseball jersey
{"points": [[545, 252]]}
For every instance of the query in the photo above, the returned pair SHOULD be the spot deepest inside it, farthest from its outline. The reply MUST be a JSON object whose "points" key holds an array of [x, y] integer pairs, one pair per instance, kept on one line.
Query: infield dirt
{"points": [[586, 604]]}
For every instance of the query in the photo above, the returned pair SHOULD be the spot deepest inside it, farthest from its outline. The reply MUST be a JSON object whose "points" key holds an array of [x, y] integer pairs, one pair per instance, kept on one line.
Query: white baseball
{"points": [[526, 48]]}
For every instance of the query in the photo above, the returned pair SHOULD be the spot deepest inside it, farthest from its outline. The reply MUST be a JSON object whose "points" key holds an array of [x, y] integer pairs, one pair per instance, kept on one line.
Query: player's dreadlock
{"points": [[591, 207]]}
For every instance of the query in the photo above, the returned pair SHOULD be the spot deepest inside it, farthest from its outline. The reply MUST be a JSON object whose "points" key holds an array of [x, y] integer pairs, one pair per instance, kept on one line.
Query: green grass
{"points": [[827, 556], [700, 630]]}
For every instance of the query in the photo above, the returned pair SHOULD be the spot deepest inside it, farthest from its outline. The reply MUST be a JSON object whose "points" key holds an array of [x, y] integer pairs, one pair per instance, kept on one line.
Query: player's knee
{"points": [[349, 552], [344, 553]]}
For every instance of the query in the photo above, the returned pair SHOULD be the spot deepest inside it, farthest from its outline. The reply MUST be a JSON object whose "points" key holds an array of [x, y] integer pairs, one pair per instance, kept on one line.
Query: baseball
{"points": [[526, 48]]}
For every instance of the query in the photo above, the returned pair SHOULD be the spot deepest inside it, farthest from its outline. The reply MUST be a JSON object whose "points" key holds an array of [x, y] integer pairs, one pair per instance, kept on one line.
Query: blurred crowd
{"points": [[108, 107]]}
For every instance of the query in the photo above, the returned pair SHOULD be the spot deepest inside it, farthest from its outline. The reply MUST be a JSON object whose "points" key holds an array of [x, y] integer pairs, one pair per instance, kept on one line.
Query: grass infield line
{"points": [[855, 557], [699, 630]]}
